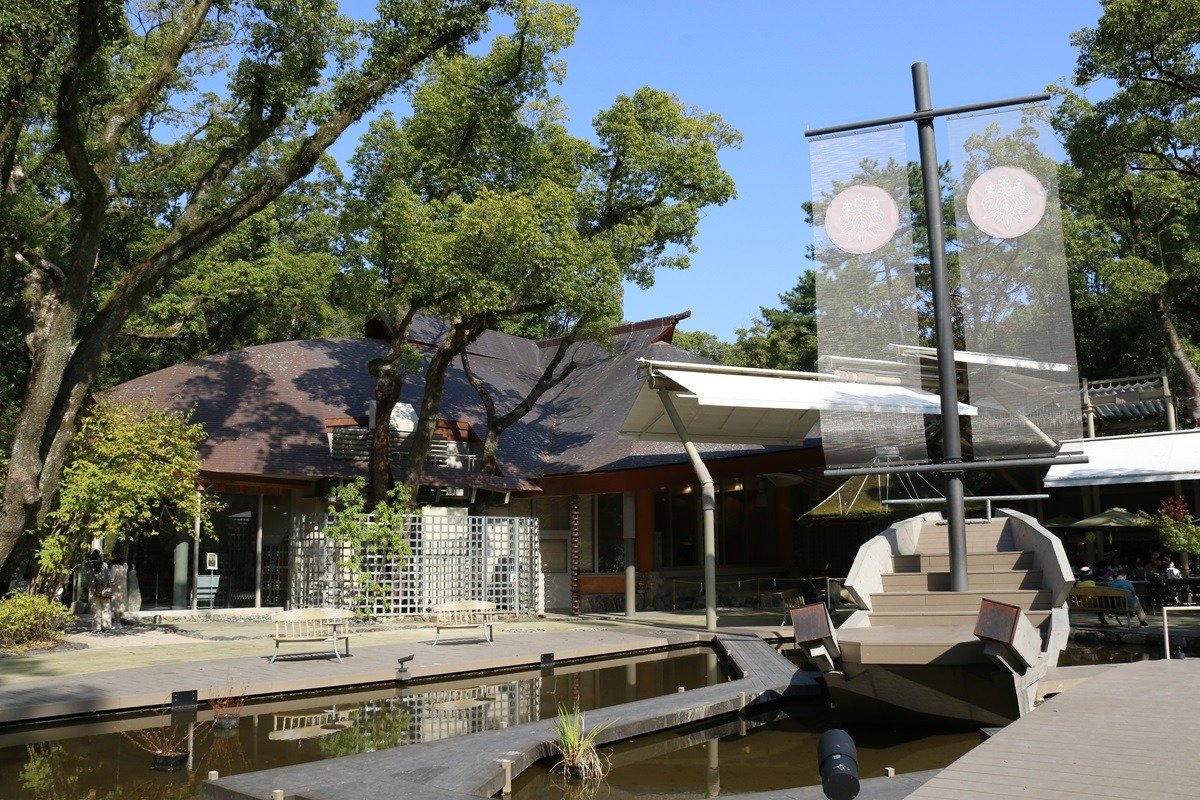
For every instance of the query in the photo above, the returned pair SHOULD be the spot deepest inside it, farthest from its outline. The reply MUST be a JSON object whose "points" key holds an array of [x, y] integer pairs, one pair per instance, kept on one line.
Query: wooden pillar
{"points": [[785, 530], [576, 601]]}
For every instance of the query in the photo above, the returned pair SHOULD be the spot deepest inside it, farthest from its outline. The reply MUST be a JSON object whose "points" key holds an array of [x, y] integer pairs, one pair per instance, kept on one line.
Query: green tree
{"points": [[481, 208], [1137, 181], [368, 540], [704, 345], [135, 136], [128, 468], [785, 337]]}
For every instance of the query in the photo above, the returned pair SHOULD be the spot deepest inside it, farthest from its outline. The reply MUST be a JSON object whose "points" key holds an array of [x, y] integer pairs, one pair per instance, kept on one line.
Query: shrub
{"points": [[25, 619]]}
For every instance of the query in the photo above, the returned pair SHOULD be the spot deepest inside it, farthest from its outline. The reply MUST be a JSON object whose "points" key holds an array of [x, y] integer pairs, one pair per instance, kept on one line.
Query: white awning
{"points": [[746, 406], [1140, 458]]}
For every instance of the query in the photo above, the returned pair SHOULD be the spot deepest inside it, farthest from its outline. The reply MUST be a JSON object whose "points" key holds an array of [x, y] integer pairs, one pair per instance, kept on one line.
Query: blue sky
{"points": [[772, 69]]}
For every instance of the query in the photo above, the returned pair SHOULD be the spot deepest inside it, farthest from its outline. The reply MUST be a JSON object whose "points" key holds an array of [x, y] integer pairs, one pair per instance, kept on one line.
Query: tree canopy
{"points": [[482, 208], [133, 137], [1134, 185]]}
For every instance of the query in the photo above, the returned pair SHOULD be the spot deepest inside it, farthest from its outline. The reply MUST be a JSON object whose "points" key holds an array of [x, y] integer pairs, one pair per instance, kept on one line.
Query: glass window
{"points": [[553, 513], [554, 555], [684, 525], [610, 533], [731, 530]]}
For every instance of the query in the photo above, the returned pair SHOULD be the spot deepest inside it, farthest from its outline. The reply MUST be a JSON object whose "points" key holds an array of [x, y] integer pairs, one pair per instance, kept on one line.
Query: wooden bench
{"points": [[464, 614], [312, 625], [1102, 600]]}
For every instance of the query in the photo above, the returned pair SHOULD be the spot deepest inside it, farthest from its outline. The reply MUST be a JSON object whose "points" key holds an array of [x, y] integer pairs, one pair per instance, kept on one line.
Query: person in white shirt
{"points": [[1172, 571]]}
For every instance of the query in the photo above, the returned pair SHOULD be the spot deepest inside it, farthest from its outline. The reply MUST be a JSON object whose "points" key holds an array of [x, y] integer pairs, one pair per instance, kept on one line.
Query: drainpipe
{"points": [[708, 500]]}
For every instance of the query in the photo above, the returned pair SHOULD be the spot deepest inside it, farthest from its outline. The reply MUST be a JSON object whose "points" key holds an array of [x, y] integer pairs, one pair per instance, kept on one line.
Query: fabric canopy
{"points": [[1140, 458], [1112, 518], [743, 406]]}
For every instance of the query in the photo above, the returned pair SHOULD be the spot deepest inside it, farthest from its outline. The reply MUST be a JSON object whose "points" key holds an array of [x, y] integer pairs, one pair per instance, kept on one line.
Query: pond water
{"points": [[767, 753], [102, 759], [1080, 653]]}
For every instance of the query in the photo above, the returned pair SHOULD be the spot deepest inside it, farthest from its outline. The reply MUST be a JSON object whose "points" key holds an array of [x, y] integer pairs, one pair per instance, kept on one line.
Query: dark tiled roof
{"points": [[264, 408]]}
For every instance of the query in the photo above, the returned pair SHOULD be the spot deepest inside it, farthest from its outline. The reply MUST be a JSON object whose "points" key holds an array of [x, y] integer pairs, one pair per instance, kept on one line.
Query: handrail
{"points": [[1167, 629]]}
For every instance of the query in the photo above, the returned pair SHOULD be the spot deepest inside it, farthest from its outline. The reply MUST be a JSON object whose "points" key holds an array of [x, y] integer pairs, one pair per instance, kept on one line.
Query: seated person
{"points": [[1088, 581], [1122, 582]]}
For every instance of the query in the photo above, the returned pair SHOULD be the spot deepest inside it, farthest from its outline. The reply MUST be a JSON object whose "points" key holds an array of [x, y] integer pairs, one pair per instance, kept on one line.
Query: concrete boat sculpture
{"points": [[918, 652]]}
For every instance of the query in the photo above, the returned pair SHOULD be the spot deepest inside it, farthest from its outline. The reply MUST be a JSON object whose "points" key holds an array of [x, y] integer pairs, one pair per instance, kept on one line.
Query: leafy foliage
{"points": [[383, 532], [1134, 188], [1180, 533], [482, 208], [129, 468], [29, 619], [135, 136]]}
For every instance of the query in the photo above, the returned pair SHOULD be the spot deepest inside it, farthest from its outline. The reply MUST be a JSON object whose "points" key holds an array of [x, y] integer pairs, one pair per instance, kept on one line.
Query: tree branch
{"points": [[168, 64]]}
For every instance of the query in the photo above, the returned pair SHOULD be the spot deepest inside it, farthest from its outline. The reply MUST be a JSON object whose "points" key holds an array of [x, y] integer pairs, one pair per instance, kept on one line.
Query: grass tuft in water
{"points": [[577, 747]]}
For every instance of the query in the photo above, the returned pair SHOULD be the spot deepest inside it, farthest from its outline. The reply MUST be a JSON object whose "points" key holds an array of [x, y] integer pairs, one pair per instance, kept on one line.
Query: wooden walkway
{"points": [[1131, 731]]}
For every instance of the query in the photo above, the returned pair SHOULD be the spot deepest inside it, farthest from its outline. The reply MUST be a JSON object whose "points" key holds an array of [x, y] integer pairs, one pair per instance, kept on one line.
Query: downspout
{"points": [[708, 501]]}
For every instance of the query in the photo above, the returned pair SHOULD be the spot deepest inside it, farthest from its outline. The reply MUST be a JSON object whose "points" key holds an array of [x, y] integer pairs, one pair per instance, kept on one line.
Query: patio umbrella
{"points": [[1058, 522], [1113, 518]]}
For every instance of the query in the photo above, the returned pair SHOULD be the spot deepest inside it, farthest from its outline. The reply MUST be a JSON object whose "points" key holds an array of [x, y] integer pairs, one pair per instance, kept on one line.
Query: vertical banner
{"points": [[1021, 365], [866, 294]]}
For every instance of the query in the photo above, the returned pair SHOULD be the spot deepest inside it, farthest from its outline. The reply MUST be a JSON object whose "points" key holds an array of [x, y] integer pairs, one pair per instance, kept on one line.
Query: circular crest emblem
{"points": [[861, 219], [1006, 202]]}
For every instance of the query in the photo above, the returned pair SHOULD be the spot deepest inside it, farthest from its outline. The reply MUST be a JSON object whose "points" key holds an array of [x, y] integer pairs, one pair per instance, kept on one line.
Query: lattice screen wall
{"points": [[453, 558]]}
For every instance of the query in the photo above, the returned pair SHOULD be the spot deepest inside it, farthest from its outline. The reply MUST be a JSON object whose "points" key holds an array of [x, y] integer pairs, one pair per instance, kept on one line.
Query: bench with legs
{"points": [[464, 614], [1102, 600], [312, 625]]}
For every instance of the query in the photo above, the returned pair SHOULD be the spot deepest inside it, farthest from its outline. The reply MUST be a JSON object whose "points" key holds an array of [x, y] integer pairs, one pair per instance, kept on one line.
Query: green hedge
{"points": [[25, 619]]}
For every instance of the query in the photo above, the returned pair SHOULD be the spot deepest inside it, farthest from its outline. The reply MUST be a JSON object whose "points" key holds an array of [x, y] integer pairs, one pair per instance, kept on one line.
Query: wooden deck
{"points": [[1131, 731]]}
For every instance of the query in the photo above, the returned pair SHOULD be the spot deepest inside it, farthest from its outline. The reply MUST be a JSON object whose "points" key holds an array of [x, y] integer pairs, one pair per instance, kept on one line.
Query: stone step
{"points": [[976, 579], [937, 618], [988, 537], [986, 562], [918, 601], [911, 644]]}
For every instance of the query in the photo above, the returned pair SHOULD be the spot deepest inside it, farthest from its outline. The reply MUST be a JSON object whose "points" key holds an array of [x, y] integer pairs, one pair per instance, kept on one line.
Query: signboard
{"points": [[212, 561]]}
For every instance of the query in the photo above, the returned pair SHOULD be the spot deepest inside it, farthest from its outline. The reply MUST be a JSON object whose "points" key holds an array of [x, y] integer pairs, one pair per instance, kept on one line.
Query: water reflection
{"points": [[771, 751], [95, 761]]}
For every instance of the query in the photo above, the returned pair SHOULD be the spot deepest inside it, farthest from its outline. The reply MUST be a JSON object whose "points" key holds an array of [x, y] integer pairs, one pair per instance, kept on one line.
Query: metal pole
{"points": [[629, 539], [708, 500], [947, 376], [926, 113], [196, 554], [258, 554]]}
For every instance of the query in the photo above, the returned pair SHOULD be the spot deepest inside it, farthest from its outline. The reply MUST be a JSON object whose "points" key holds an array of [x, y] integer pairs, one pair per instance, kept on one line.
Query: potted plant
{"points": [[227, 709], [168, 745]]}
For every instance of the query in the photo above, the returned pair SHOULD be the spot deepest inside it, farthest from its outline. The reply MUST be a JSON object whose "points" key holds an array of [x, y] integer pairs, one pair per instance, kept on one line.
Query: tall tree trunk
{"points": [[461, 334], [390, 372], [1178, 352]]}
